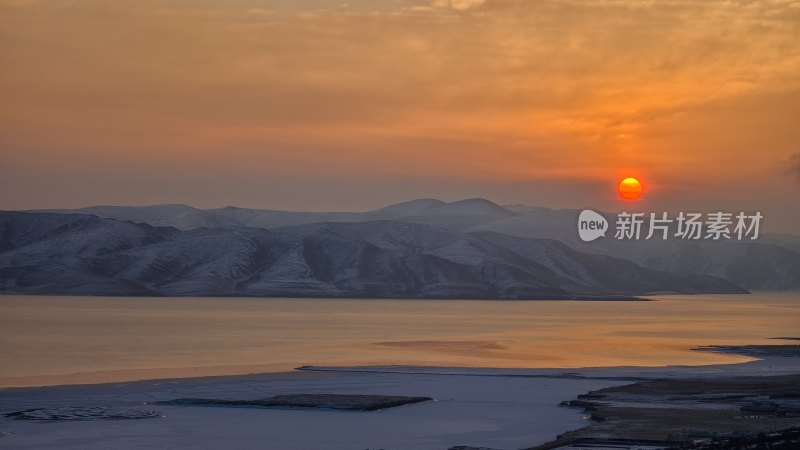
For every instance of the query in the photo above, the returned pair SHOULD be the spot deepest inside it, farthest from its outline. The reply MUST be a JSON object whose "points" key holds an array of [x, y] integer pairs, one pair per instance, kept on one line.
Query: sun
{"points": [[630, 188]]}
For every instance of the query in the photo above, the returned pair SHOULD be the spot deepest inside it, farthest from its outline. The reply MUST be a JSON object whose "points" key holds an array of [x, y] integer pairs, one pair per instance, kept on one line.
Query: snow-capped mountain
{"points": [[51, 253], [772, 262]]}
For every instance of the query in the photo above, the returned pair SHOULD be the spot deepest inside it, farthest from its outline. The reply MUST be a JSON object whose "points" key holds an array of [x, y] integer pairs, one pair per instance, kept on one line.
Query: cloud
{"points": [[460, 5], [259, 12], [496, 91], [793, 166], [602, 70]]}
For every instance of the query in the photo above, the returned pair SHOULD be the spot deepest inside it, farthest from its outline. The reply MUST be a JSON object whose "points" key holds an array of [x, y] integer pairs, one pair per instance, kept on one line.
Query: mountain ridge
{"points": [[774, 258], [87, 255]]}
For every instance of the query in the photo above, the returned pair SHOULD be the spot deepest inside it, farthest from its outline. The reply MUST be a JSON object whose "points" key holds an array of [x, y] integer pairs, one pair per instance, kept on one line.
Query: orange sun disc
{"points": [[630, 188]]}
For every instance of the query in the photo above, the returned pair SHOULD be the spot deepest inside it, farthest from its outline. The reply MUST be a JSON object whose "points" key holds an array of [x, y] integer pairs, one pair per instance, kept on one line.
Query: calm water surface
{"points": [[56, 340]]}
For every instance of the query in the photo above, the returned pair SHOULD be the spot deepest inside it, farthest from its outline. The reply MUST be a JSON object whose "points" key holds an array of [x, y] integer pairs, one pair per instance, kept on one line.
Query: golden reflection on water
{"points": [[53, 340]]}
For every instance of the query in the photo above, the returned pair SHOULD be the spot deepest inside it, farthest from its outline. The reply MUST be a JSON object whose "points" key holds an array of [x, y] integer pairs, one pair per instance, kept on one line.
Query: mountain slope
{"points": [[771, 262], [83, 254], [179, 216]]}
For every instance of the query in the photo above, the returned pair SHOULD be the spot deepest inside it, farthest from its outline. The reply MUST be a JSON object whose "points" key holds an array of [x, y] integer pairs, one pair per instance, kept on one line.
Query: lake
{"points": [[63, 340]]}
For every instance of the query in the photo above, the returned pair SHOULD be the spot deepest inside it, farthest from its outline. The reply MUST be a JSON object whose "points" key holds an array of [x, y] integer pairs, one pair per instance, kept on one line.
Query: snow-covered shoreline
{"points": [[497, 408]]}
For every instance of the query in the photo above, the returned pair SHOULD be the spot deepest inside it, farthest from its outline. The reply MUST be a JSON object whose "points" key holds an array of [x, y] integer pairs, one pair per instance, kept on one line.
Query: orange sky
{"points": [[296, 104]]}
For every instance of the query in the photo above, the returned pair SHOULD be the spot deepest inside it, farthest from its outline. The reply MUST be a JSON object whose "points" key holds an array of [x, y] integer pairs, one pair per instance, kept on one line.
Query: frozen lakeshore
{"points": [[495, 411], [497, 408]]}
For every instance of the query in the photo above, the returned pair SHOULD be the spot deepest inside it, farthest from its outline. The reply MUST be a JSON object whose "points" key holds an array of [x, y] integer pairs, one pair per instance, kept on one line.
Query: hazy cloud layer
{"points": [[793, 166], [540, 102]]}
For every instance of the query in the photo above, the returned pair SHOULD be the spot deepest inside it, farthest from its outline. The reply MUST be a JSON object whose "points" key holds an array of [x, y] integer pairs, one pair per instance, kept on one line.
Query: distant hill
{"points": [[772, 262], [463, 213], [56, 253]]}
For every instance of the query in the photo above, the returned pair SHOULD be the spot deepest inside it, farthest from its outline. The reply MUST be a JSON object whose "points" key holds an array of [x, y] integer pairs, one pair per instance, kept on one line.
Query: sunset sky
{"points": [[355, 104]]}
